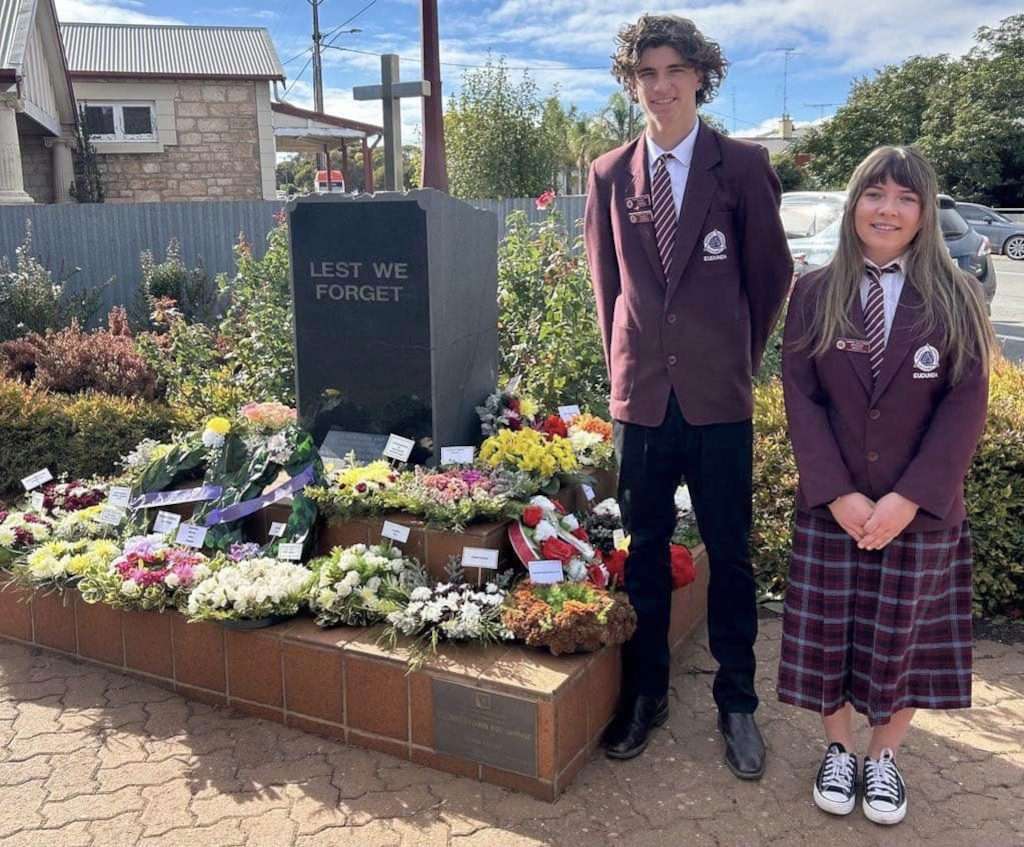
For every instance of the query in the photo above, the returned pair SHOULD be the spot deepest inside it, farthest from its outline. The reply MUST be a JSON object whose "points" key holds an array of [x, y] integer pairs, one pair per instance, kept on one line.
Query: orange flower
{"points": [[591, 423]]}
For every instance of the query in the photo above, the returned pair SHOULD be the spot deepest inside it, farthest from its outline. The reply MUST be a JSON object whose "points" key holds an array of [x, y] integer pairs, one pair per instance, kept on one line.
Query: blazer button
{"points": [[672, 360], [872, 456], [671, 319], [874, 414]]}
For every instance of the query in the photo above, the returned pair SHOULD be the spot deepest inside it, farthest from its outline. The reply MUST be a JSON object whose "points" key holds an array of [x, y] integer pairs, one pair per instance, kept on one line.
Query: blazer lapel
{"points": [[642, 186], [860, 362], [901, 338], [700, 188]]}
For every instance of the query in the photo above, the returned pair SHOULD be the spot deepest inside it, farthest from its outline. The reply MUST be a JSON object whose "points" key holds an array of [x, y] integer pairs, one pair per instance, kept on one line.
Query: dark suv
{"points": [[971, 250]]}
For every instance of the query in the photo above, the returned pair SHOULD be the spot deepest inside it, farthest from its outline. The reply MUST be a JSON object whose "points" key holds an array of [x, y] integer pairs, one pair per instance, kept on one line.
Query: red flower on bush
{"points": [[546, 199], [683, 570], [554, 425], [532, 515], [555, 548]]}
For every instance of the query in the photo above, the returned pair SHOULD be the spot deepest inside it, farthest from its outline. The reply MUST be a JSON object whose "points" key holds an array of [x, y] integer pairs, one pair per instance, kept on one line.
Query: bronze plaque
{"points": [[490, 728]]}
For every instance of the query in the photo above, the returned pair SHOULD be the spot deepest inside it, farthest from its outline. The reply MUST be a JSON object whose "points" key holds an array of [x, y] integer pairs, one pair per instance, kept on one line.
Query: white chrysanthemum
{"points": [[543, 531], [577, 570], [6, 536], [420, 594], [682, 498], [609, 509], [212, 439], [543, 502], [570, 522]]}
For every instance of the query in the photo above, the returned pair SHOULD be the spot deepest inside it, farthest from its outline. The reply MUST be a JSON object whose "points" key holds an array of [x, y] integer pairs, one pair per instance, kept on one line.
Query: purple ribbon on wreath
{"points": [[176, 496], [247, 507]]}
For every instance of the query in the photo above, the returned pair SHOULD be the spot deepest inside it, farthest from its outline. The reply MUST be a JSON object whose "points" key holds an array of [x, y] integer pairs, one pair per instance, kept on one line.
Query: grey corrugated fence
{"points": [[104, 241]]}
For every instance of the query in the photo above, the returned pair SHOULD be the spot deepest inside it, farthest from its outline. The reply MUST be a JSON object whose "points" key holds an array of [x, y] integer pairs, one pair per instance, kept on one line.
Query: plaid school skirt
{"points": [[882, 630]]}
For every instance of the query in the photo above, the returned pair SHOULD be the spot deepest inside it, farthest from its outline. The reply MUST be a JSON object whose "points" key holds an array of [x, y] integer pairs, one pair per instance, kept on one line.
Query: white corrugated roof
{"points": [[174, 51]]}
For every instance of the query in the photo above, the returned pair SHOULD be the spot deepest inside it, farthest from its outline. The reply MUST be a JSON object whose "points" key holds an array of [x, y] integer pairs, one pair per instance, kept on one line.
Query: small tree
{"points": [[88, 184], [790, 174]]}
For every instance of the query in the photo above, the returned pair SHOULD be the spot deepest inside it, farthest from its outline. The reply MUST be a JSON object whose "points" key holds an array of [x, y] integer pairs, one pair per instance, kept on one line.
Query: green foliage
{"points": [[193, 292], [257, 329], [83, 436], [248, 358], [31, 300], [547, 321], [966, 114], [994, 492], [88, 184], [789, 173], [496, 143], [771, 361]]}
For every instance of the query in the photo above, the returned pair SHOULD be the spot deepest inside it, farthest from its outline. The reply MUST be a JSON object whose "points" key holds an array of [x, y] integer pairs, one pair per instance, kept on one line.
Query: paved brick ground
{"points": [[93, 758]]}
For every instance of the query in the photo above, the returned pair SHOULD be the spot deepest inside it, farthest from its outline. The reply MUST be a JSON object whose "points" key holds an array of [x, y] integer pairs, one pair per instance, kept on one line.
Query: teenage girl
{"points": [[885, 370]]}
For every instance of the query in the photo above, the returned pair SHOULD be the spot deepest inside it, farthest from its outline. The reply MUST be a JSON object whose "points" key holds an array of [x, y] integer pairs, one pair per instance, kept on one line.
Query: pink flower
{"points": [[546, 199]]}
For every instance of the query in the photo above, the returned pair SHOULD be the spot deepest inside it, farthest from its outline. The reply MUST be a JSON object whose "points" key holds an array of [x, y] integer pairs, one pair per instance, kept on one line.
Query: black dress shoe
{"points": [[629, 732], [744, 746]]}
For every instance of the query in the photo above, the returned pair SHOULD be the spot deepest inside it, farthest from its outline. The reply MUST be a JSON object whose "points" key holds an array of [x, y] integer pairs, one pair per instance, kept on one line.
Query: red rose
{"points": [[361, 487], [683, 570], [598, 575], [581, 534], [532, 515], [555, 548], [615, 562], [554, 425]]}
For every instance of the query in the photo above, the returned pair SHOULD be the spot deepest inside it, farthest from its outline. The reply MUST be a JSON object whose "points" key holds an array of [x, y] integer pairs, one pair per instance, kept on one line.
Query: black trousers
{"points": [[716, 463]]}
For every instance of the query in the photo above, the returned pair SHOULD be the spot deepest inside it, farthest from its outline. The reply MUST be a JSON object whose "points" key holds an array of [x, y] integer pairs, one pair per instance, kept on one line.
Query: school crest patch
{"points": [[926, 359], [714, 242]]}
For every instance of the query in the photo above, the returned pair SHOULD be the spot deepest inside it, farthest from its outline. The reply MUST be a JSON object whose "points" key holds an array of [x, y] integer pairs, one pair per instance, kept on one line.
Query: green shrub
{"points": [[31, 300], [82, 436], [193, 291], [547, 320], [994, 491]]}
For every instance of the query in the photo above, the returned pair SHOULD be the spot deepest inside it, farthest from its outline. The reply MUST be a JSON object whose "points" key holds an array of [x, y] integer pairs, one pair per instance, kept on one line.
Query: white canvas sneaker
{"points": [[885, 793], [835, 787]]}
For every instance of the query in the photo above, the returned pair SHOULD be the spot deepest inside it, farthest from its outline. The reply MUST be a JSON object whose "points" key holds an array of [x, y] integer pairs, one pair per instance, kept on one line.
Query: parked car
{"points": [[806, 213], [971, 250], [1006, 236]]}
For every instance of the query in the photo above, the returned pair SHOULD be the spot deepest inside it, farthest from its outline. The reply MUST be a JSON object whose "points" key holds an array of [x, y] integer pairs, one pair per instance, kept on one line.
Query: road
{"points": [[1008, 307]]}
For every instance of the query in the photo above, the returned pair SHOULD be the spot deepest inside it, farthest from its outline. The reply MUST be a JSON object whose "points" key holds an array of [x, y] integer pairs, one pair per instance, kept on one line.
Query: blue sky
{"points": [[567, 43]]}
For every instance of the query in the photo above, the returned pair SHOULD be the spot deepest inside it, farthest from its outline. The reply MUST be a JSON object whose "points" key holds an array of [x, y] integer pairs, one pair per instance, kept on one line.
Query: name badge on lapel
{"points": [[853, 345], [639, 209], [641, 217]]}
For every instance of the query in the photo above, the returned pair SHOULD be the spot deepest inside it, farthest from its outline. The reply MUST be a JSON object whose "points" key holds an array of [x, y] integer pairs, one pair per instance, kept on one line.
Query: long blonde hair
{"points": [[950, 298]]}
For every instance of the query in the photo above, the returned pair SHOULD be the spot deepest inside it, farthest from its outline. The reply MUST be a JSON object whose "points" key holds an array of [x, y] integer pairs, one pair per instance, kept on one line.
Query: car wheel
{"points": [[1014, 248]]}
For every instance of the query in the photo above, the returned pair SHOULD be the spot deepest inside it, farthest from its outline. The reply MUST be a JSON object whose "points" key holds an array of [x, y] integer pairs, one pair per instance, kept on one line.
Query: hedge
{"points": [[82, 435], [994, 492]]}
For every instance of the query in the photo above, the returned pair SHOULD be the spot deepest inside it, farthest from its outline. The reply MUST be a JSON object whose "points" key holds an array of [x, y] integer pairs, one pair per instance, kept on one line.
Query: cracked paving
{"points": [[94, 758]]}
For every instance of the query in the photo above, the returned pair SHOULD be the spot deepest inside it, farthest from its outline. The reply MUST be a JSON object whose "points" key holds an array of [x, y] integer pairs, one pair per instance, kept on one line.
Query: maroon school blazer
{"points": [[702, 331], [912, 433]]}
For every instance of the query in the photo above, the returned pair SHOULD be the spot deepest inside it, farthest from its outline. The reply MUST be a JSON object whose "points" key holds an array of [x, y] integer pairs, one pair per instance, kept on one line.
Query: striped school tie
{"points": [[874, 314], [664, 212]]}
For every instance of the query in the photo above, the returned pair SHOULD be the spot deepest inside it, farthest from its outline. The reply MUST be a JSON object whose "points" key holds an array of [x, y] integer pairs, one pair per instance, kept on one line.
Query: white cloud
{"points": [[108, 12]]}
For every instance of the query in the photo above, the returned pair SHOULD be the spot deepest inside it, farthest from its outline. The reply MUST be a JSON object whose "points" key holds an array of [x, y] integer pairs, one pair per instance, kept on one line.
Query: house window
{"points": [[121, 121]]}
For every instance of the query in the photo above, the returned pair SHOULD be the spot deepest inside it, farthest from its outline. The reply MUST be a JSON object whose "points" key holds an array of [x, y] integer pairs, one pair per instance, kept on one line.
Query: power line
{"points": [[478, 67]]}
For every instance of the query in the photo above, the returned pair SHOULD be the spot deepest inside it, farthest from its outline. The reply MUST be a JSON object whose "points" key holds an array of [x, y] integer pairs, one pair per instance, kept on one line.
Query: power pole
{"points": [[323, 160]]}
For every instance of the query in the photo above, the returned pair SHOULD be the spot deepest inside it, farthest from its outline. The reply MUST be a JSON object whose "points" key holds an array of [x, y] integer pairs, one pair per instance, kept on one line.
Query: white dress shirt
{"points": [[892, 288], [678, 166]]}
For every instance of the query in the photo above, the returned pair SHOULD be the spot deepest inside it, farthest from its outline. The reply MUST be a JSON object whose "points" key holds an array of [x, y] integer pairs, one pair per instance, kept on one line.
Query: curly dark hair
{"points": [[698, 51]]}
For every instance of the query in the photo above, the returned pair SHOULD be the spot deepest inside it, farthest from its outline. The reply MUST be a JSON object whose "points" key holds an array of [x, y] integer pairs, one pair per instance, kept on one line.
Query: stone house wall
{"points": [[212, 141], [36, 168]]}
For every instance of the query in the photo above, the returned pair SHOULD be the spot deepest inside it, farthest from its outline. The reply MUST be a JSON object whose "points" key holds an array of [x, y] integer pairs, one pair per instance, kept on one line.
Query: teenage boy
{"points": [[690, 269]]}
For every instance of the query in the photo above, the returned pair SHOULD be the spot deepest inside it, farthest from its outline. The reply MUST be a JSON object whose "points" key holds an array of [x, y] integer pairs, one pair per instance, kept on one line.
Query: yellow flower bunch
{"points": [[221, 426], [530, 451]]}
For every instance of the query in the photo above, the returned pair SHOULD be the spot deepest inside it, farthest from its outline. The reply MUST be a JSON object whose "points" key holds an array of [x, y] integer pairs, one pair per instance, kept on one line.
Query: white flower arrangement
{"points": [[251, 589], [360, 585], [450, 611]]}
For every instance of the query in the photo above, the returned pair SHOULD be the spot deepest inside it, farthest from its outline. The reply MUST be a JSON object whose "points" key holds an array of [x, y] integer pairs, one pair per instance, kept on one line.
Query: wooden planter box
{"points": [[507, 715]]}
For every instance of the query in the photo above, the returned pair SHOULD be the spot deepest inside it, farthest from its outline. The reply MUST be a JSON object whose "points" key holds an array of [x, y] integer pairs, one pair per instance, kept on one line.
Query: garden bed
{"points": [[506, 715]]}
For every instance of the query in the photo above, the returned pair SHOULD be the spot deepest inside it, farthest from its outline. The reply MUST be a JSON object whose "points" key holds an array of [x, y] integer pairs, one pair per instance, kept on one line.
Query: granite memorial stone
{"points": [[395, 319]]}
